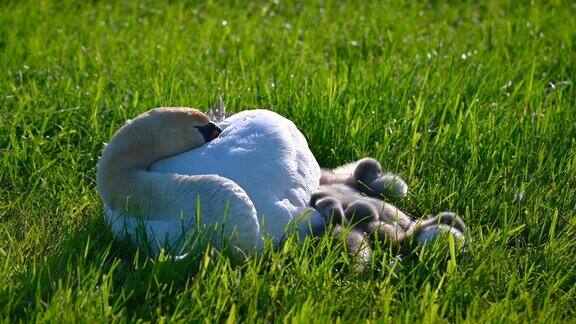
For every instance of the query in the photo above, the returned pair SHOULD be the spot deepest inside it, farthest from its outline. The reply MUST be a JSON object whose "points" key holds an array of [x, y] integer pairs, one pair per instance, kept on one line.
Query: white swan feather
{"points": [[256, 178]]}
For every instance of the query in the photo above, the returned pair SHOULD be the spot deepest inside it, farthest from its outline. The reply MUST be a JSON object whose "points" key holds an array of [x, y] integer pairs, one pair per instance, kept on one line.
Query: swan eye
{"points": [[209, 131]]}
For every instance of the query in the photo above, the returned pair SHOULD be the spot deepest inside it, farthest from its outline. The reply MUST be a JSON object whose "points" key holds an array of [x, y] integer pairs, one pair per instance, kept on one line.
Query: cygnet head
{"points": [[367, 171], [331, 210], [361, 212]]}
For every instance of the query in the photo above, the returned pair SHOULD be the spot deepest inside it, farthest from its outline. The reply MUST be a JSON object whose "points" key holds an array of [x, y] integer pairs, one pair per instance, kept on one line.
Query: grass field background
{"points": [[473, 103]]}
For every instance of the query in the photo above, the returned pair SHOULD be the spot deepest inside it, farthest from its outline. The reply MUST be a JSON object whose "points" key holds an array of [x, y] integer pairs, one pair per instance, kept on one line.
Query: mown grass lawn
{"points": [[473, 103]]}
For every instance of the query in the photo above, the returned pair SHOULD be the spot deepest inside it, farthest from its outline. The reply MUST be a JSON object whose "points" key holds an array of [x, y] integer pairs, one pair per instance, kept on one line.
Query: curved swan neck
{"points": [[149, 137]]}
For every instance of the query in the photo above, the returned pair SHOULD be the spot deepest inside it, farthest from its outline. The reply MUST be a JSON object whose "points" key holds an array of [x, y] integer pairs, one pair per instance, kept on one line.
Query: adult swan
{"points": [[171, 171]]}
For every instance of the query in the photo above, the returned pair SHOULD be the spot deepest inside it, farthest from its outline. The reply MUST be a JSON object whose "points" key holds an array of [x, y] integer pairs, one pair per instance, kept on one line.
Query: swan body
{"points": [[266, 155], [161, 179]]}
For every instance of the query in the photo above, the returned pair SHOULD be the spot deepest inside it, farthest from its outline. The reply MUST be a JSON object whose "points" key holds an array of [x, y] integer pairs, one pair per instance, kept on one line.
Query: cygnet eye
{"points": [[209, 131]]}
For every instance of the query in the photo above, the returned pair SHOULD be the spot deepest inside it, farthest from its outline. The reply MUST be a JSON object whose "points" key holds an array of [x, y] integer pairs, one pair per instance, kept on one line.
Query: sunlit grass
{"points": [[474, 104]]}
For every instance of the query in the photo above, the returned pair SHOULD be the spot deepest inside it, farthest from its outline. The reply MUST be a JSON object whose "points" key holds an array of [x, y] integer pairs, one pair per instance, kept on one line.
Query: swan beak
{"points": [[210, 131]]}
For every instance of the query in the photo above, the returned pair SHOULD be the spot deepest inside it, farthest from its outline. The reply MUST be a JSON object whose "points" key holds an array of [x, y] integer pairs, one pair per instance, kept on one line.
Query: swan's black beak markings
{"points": [[210, 131]]}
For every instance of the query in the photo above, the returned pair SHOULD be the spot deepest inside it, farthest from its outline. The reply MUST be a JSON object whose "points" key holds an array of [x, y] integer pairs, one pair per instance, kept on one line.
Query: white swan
{"points": [[258, 174]]}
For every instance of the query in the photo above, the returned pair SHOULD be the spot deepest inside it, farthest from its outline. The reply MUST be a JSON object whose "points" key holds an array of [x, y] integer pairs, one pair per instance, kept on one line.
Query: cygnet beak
{"points": [[210, 131]]}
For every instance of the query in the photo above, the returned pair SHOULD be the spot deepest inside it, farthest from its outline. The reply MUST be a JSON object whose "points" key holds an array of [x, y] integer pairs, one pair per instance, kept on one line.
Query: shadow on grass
{"points": [[93, 276]]}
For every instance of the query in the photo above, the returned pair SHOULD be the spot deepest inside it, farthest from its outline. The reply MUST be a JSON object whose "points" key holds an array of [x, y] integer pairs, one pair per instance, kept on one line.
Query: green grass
{"points": [[474, 104]]}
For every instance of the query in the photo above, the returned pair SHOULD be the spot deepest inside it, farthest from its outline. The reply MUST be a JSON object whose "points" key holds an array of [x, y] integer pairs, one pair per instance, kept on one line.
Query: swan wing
{"points": [[266, 155], [174, 206]]}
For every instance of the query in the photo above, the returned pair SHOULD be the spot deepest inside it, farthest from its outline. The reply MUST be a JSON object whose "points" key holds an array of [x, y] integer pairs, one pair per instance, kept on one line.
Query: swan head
{"points": [[176, 130], [159, 133]]}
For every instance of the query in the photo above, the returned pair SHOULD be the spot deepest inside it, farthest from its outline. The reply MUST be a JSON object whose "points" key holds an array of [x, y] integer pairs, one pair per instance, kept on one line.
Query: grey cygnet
{"points": [[348, 195]]}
